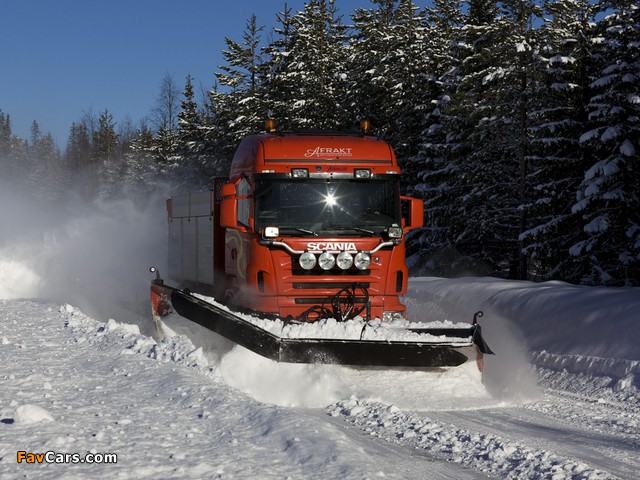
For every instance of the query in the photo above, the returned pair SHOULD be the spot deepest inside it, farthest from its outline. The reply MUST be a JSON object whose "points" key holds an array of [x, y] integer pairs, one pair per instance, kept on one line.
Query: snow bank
{"points": [[556, 317]]}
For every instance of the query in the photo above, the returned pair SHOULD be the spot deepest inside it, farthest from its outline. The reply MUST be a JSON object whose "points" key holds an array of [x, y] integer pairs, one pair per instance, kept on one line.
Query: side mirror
{"points": [[234, 208], [415, 214], [229, 206]]}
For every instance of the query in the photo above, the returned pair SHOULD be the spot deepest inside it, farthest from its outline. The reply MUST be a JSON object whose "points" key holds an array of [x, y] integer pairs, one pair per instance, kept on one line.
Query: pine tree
{"points": [[557, 121], [141, 168], [412, 74], [238, 102], [106, 163], [305, 86], [431, 248], [199, 159], [368, 48], [78, 152], [5, 133], [13, 152], [609, 196], [487, 123], [275, 86]]}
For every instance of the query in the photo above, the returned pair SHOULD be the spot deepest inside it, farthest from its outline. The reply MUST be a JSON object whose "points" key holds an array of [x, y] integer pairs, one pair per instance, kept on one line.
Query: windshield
{"points": [[313, 206]]}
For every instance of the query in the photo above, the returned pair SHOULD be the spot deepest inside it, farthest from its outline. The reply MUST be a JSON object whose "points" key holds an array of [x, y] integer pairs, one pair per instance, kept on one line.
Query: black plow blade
{"points": [[393, 353]]}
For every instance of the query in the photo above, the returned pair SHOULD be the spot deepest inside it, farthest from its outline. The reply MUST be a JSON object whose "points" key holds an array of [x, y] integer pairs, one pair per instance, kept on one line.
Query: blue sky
{"points": [[60, 58]]}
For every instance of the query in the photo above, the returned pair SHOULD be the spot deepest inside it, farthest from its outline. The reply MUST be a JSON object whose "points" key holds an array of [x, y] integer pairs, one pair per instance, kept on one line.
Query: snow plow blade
{"points": [[380, 353]]}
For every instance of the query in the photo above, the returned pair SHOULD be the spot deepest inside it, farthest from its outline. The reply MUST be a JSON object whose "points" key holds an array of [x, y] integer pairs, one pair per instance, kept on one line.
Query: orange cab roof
{"points": [[279, 153]]}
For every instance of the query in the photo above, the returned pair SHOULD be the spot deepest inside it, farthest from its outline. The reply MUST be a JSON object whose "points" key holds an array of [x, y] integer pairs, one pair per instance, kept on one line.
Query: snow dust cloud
{"points": [[92, 254], [319, 385], [315, 385], [508, 375]]}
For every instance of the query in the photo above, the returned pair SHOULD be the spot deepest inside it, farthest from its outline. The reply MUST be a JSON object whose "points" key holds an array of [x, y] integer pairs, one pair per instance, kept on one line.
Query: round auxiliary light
{"points": [[344, 260], [307, 260], [326, 261], [362, 261]]}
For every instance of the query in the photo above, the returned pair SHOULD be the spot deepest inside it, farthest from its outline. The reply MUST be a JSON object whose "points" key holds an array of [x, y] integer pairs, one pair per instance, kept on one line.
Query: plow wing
{"points": [[427, 347]]}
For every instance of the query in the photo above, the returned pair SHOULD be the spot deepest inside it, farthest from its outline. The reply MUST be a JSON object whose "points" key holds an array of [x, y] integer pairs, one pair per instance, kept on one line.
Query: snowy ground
{"points": [[71, 384], [80, 374]]}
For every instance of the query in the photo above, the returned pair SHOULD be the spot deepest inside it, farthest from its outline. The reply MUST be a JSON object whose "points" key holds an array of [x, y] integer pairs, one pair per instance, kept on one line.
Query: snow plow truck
{"points": [[299, 256]]}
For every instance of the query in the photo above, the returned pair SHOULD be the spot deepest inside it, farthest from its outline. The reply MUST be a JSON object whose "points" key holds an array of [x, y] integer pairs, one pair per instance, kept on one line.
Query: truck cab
{"points": [[314, 220]]}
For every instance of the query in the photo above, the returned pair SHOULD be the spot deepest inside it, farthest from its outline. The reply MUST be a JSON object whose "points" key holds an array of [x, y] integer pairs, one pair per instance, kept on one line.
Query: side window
{"points": [[243, 191]]}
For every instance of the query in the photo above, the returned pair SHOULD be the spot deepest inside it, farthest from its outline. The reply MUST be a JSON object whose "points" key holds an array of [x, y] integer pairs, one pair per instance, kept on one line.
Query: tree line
{"points": [[516, 121]]}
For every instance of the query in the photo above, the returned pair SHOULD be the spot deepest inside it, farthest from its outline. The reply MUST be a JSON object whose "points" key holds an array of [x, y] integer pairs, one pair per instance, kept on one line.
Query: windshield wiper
{"points": [[344, 227], [302, 230]]}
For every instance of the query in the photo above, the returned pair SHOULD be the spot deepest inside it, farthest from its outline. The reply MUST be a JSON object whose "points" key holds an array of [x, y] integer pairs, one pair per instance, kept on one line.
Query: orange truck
{"points": [[309, 226]]}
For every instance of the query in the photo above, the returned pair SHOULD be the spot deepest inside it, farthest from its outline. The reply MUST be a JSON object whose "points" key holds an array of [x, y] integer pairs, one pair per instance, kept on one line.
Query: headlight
{"points": [[395, 232], [391, 316], [345, 260], [362, 261], [271, 232], [307, 260], [326, 261]]}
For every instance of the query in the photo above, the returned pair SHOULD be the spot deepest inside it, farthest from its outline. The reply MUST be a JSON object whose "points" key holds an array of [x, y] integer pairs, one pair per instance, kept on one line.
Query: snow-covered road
{"points": [[72, 384]]}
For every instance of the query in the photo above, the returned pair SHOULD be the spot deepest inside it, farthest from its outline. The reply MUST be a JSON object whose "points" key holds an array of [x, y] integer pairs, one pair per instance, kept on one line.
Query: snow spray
{"points": [[508, 375], [92, 254]]}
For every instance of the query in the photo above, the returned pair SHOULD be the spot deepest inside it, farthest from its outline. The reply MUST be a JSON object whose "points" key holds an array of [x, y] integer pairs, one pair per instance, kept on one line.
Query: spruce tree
{"points": [[306, 82], [368, 51], [241, 112], [105, 158], [487, 120], [557, 120], [431, 248], [276, 88], [609, 197]]}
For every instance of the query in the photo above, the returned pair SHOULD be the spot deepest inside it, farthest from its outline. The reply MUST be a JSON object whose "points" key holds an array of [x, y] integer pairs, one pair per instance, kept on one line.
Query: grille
{"points": [[296, 269], [323, 300], [337, 285]]}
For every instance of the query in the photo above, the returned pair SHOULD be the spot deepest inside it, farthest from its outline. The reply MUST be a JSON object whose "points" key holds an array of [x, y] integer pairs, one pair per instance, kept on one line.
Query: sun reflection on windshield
{"points": [[330, 200]]}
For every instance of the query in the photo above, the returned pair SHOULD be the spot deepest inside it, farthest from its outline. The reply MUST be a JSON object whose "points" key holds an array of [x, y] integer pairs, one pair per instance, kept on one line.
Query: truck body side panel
{"points": [[196, 240]]}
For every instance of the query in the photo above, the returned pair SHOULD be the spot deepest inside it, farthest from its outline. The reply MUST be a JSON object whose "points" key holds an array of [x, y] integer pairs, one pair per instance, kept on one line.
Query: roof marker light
{"points": [[270, 125]]}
